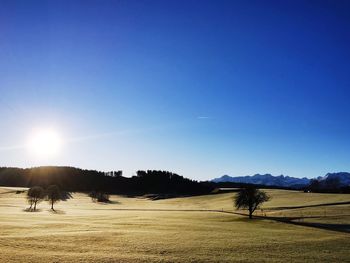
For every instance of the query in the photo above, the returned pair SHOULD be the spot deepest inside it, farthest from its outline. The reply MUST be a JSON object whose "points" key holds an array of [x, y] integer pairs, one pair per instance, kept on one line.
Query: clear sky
{"points": [[201, 88]]}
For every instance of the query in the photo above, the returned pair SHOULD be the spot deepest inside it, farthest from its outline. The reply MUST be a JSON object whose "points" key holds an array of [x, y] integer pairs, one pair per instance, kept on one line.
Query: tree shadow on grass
{"points": [[66, 196], [154, 197], [31, 210], [115, 202], [306, 206], [344, 228], [109, 202], [57, 212]]}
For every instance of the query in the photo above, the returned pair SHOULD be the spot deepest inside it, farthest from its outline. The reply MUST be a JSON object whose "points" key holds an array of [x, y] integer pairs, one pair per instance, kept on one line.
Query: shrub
{"points": [[99, 197]]}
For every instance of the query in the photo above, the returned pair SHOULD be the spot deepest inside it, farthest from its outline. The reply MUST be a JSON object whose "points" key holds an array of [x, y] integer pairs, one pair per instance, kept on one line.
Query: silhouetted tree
{"points": [[250, 198], [35, 195], [103, 197], [332, 184], [314, 185], [93, 196], [99, 197], [53, 195], [117, 173]]}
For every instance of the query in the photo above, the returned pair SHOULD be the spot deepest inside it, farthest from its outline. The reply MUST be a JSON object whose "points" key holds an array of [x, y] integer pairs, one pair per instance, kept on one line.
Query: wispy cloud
{"points": [[127, 132], [203, 117]]}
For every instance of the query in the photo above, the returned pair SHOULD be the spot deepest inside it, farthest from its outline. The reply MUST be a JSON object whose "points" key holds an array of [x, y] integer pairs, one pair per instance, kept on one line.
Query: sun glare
{"points": [[45, 143]]}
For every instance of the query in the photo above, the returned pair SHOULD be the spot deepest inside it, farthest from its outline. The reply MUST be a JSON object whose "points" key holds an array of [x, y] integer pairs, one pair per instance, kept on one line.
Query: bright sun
{"points": [[45, 142]]}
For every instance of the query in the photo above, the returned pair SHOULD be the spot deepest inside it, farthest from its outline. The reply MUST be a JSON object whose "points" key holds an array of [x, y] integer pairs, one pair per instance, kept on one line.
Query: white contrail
{"points": [[123, 132]]}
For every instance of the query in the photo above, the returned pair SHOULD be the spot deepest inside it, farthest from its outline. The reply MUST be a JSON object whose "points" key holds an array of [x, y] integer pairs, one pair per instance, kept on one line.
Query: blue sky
{"points": [[201, 88]]}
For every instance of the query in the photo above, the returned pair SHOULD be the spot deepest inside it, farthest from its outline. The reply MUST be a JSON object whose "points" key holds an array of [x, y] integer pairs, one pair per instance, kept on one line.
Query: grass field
{"points": [[292, 227]]}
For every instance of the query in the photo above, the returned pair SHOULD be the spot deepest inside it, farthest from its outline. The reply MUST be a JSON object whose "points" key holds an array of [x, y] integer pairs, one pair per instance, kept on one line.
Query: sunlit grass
{"points": [[83, 231]]}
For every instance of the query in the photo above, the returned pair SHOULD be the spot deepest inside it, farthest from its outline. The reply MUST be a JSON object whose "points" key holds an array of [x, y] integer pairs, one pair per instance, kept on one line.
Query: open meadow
{"points": [[292, 227]]}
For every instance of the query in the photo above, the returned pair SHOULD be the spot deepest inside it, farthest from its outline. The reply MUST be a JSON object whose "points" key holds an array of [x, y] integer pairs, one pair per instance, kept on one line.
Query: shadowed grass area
{"points": [[190, 229]]}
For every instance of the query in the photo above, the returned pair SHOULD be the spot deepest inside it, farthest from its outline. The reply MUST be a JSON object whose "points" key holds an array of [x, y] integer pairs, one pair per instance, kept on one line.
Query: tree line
{"points": [[79, 180], [329, 185]]}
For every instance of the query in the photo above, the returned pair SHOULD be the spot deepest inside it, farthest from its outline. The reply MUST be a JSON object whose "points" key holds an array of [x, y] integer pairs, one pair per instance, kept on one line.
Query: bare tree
{"points": [[34, 195], [53, 195], [250, 198]]}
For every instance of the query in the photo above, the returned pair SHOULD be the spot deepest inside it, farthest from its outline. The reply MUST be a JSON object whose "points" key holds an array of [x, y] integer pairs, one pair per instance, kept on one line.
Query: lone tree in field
{"points": [[250, 198], [35, 194], [53, 195]]}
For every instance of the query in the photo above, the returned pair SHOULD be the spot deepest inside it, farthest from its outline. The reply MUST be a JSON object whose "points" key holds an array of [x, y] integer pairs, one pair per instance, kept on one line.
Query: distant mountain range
{"points": [[283, 181]]}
